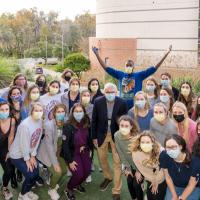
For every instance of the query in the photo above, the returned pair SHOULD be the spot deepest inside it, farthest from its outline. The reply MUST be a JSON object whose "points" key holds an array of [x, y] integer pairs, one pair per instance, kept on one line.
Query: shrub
{"points": [[76, 62]]}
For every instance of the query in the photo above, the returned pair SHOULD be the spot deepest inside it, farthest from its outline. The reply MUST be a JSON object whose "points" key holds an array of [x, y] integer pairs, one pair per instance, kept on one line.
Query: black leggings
{"points": [[7, 169], [136, 191]]}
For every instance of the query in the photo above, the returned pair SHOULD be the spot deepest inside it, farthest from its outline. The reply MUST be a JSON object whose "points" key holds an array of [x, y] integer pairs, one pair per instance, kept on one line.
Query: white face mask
{"points": [[124, 131], [159, 117], [128, 70], [185, 92], [34, 96], [85, 100], [94, 88], [74, 88], [37, 115], [53, 90]]}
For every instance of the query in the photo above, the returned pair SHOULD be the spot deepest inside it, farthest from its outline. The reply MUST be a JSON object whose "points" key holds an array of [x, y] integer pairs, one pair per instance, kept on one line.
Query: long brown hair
{"points": [[157, 89], [135, 146], [27, 99], [85, 121], [133, 123], [16, 77], [171, 97]]}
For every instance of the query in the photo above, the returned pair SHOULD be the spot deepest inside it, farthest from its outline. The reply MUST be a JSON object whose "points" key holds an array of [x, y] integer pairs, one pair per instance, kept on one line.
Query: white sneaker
{"points": [[24, 197], [93, 167], [69, 173], [6, 193], [32, 195], [88, 179], [53, 194]]}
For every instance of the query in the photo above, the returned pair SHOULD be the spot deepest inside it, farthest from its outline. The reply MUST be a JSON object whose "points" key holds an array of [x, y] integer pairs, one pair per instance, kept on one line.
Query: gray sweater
{"points": [[27, 139], [48, 146], [125, 155], [161, 131]]}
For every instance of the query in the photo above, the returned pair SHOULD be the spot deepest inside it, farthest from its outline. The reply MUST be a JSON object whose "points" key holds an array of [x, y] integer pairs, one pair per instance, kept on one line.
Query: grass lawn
{"points": [[92, 189]]}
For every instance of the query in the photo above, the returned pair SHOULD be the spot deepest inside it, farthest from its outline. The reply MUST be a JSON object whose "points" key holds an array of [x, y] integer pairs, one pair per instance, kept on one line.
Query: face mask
{"points": [[40, 83], [179, 118], [67, 78], [78, 116], [128, 70], [159, 117], [140, 103], [34, 96], [60, 116], [85, 100], [74, 88], [110, 97], [124, 131], [164, 99], [53, 91], [165, 83], [17, 98], [146, 147], [150, 88], [37, 115], [185, 92], [94, 88], [4, 115], [174, 153]]}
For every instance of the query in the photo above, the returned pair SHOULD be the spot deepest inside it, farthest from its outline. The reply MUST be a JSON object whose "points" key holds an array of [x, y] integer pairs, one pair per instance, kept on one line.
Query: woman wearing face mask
{"points": [[23, 150], [152, 89], [19, 81], [47, 152], [141, 111], [15, 101], [178, 166], [65, 79], [123, 138], [166, 97], [186, 96], [161, 125], [50, 99], [196, 112], [145, 154], [76, 148], [32, 96], [73, 95], [186, 126], [94, 88], [42, 84], [7, 131]]}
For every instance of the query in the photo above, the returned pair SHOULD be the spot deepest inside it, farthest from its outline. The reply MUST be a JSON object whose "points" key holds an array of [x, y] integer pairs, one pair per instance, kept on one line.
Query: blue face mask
{"points": [[140, 103], [17, 98], [110, 96], [4, 115], [78, 116], [164, 99], [174, 153], [165, 83], [150, 88], [60, 116]]}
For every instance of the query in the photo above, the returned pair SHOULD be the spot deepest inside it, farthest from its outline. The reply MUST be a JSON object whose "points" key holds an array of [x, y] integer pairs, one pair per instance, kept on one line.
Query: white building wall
{"points": [[155, 24]]}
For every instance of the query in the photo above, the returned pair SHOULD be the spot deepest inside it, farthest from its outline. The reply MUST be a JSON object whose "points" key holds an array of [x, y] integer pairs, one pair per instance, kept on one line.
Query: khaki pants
{"points": [[103, 152]]}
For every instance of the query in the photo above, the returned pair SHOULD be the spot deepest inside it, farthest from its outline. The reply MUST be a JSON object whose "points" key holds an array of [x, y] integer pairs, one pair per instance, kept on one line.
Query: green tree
{"points": [[77, 62]]}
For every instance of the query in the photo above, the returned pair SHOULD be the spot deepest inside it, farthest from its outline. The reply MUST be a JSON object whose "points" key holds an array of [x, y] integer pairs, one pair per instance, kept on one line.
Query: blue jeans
{"points": [[30, 177], [194, 196]]}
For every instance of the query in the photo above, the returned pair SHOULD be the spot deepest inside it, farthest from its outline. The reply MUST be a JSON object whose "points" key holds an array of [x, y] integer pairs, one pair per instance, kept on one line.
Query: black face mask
{"points": [[40, 83], [179, 118], [67, 78]]}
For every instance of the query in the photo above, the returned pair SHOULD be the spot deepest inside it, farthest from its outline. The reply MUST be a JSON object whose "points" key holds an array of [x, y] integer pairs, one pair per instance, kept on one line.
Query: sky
{"points": [[65, 8]]}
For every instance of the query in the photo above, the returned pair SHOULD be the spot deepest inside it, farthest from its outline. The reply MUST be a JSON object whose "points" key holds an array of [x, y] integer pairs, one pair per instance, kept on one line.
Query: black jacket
{"points": [[100, 119], [68, 147]]}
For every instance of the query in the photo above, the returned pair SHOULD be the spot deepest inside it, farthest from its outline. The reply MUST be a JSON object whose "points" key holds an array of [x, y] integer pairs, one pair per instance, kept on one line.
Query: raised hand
{"points": [[95, 50], [170, 48]]}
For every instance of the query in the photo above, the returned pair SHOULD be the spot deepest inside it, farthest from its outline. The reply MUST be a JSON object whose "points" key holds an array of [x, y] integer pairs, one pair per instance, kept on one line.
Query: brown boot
{"points": [[104, 184], [116, 196]]}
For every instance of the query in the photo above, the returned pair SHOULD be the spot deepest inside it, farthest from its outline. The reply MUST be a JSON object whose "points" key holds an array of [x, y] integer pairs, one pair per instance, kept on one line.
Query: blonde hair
{"points": [[27, 99], [147, 105], [135, 146], [34, 105], [182, 106]]}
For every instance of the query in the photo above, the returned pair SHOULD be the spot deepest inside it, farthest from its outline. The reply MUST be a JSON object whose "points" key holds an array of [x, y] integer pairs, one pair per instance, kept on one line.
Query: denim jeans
{"points": [[30, 177], [194, 196]]}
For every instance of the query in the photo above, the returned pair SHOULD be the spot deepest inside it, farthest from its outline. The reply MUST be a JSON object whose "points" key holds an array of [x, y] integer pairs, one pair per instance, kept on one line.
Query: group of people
{"points": [[151, 129]]}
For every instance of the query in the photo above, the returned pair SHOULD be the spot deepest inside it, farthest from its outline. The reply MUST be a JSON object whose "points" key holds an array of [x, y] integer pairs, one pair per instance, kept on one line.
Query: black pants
{"points": [[7, 170], [136, 191]]}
